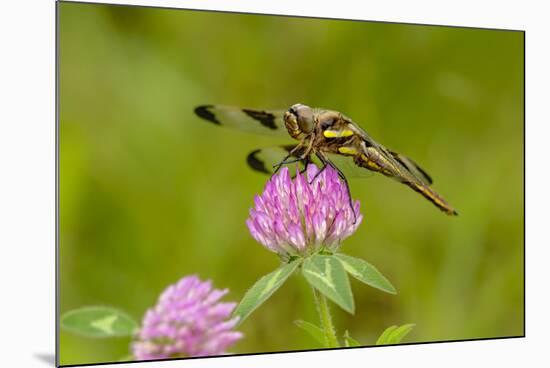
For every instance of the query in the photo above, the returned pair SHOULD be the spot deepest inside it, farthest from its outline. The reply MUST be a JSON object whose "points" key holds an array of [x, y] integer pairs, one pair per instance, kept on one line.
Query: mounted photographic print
{"points": [[237, 183]]}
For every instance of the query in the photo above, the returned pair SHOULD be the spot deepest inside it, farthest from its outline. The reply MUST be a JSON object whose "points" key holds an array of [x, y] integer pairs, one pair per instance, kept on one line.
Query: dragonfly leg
{"points": [[286, 161], [306, 161], [326, 162], [304, 158], [319, 172]]}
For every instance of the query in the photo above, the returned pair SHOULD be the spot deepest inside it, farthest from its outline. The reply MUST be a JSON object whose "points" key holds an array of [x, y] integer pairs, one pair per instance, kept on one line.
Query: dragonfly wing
{"points": [[348, 167], [248, 120], [413, 168], [401, 168], [264, 160], [405, 165]]}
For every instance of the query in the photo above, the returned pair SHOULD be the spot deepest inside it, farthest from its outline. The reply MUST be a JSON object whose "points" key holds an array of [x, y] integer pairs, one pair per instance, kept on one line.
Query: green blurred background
{"points": [[150, 193]]}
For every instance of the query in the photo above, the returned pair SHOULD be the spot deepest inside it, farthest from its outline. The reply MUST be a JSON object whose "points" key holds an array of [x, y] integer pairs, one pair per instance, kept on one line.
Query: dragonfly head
{"points": [[299, 121]]}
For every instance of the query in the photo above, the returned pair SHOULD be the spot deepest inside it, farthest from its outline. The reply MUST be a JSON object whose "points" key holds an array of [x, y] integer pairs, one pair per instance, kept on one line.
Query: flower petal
{"points": [[303, 215]]}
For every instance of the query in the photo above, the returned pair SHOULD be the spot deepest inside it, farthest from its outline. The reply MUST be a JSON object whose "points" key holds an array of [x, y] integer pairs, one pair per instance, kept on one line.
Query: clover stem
{"points": [[326, 320]]}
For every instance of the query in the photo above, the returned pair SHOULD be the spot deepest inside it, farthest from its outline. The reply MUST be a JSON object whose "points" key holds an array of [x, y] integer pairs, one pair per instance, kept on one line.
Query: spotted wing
{"points": [[264, 160], [249, 120]]}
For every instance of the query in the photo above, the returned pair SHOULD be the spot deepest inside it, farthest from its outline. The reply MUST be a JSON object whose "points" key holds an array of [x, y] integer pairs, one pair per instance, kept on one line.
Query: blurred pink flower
{"points": [[188, 320], [304, 215]]}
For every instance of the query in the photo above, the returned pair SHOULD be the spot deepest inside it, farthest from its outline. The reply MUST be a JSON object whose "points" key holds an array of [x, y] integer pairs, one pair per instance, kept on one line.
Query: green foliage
{"points": [[263, 289], [327, 275], [350, 341], [394, 334], [365, 272], [316, 332], [99, 322]]}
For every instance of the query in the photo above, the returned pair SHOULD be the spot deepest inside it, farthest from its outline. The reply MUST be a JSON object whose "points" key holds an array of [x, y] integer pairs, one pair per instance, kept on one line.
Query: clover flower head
{"points": [[188, 320], [301, 216]]}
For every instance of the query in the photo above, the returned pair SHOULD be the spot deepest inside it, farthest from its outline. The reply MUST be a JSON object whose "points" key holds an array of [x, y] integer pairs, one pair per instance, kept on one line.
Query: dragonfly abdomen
{"points": [[433, 197], [376, 163]]}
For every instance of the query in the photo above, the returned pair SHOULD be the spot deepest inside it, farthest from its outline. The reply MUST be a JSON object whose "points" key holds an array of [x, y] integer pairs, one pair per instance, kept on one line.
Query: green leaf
{"points": [[365, 272], [326, 274], [99, 322], [398, 334], [394, 334], [350, 341], [383, 339], [316, 332], [263, 289]]}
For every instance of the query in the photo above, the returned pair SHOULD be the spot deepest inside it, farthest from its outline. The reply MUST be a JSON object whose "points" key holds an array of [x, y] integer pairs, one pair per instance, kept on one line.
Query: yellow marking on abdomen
{"points": [[390, 168], [432, 196], [347, 150], [370, 164], [338, 133]]}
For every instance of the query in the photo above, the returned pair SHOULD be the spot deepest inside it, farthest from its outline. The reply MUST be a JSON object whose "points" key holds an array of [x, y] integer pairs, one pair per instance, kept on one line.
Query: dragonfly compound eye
{"points": [[304, 116]]}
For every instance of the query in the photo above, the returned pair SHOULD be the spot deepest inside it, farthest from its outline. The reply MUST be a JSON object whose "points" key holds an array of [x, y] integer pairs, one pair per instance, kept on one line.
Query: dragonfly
{"points": [[324, 136]]}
